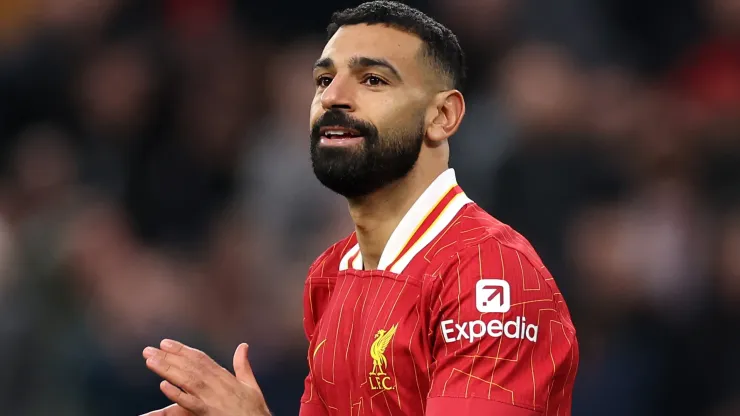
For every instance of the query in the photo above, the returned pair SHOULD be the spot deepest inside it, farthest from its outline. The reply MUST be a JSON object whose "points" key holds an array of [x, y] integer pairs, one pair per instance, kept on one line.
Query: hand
{"points": [[201, 387], [172, 410]]}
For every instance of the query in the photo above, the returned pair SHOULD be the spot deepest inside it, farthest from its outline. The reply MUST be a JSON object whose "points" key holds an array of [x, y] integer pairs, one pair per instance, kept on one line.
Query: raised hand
{"points": [[199, 386]]}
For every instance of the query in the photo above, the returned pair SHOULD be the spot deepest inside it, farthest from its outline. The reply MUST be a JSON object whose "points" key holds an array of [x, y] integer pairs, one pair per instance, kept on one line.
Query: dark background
{"points": [[155, 182]]}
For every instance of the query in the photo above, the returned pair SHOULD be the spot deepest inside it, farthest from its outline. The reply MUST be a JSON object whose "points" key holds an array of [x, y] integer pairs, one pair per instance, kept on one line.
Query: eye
{"points": [[323, 81], [374, 81]]}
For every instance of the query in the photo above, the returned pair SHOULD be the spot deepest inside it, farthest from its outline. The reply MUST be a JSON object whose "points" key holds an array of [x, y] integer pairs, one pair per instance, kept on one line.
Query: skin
{"points": [[385, 104], [371, 92]]}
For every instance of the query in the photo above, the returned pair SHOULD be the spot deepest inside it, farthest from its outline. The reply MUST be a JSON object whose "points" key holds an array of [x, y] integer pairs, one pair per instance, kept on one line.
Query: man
{"points": [[431, 307]]}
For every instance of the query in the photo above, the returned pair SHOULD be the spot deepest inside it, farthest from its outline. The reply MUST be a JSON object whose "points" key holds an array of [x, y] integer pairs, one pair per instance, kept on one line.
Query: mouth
{"points": [[339, 136]]}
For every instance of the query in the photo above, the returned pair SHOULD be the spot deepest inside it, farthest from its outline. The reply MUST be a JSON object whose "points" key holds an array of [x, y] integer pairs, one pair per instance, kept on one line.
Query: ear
{"points": [[448, 111]]}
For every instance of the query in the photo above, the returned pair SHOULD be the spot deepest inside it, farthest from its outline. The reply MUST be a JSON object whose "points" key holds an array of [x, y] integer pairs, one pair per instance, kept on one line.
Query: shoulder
{"points": [[327, 264], [494, 259], [485, 249], [478, 236]]}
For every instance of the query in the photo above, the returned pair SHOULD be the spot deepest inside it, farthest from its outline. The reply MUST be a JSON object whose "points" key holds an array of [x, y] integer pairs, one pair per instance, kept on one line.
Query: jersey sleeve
{"points": [[310, 402], [312, 409], [501, 342], [316, 295]]}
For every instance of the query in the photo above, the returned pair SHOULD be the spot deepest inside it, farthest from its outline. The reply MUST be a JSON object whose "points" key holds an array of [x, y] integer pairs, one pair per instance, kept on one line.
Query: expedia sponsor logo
{"points": [[473, 330]]}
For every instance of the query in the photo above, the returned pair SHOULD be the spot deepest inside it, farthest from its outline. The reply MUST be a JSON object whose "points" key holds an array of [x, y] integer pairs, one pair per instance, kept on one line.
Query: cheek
{"points": [[399, 119], [316, 110]]}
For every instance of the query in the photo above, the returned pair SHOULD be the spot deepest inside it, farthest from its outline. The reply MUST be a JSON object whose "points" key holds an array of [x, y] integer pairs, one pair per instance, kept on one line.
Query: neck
{"points": [[377, 215]]}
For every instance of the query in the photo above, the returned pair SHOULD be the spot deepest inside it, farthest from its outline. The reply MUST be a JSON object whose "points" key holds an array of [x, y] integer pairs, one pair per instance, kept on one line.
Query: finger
{"points": [[206, 366], [242, 367], [193, 354], [185, 400], [177, 410], [148, 352], [171, 410], [197, 358], [179, 371]]}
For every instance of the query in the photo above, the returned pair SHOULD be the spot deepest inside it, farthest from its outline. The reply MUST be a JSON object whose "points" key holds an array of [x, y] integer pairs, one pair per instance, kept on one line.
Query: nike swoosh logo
{"points": [[318, 346]]}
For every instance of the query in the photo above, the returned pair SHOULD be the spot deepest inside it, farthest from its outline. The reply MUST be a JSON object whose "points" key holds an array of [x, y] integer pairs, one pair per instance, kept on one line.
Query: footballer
{"points": [[431, 307]]}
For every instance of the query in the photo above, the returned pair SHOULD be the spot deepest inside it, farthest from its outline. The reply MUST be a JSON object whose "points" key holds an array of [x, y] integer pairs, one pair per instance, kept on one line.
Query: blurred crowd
{"points": [[155, 182]]}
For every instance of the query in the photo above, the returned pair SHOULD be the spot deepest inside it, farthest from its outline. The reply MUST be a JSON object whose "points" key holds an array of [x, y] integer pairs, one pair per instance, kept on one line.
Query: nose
{"points": [[338, 95]]}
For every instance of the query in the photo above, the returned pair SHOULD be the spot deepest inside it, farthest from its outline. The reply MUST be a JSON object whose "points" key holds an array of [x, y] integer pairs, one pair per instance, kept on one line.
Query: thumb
{"points": [[242, 368]]}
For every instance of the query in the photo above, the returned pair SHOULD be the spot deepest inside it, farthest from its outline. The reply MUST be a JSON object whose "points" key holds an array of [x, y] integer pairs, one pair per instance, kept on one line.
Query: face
{"points": [[368, 112]]}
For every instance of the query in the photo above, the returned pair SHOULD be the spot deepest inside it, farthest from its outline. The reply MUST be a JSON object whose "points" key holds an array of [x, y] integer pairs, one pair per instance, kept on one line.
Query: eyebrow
{"points": [[361, 62], [324, 63]]}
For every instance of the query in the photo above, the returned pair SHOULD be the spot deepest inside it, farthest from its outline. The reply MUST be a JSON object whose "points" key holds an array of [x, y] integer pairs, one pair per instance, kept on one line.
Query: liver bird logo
{"points": [[377, 350]]}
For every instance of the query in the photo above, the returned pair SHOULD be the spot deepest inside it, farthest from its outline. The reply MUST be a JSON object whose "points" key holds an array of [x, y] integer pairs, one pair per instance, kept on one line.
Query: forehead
{"points": [[374, 41]]}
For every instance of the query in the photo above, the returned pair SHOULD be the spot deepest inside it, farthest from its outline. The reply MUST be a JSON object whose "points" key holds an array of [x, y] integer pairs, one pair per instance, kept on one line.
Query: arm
{"points": [[442, 406], [310, 405], [314, 297], [500, 346]]}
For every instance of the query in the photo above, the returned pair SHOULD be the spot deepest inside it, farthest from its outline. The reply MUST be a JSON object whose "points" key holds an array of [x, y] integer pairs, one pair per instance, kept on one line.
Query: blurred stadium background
{"points": [[156, 183]]}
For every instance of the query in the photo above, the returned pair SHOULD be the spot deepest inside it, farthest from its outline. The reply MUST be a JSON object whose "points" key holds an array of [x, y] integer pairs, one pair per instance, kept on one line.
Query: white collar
{"points": [[428, 217]]}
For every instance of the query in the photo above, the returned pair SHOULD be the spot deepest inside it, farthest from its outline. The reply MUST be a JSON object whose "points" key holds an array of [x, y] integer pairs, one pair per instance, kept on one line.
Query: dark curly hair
{"points": [[441, 47]]}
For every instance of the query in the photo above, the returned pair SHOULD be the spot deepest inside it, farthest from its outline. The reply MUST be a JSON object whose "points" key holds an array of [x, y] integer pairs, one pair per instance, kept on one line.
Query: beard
{"points": [[377, 161]]}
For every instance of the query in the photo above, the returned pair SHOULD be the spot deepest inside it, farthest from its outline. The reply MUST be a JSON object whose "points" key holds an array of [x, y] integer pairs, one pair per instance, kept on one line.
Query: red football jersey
{"points": [[460, 317]]}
